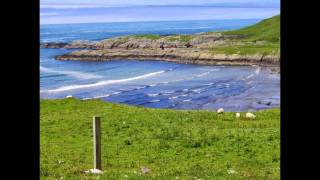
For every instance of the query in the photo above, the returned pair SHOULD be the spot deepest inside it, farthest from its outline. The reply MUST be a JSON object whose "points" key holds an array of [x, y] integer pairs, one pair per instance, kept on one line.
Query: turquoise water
{"points": [[153, 83]]}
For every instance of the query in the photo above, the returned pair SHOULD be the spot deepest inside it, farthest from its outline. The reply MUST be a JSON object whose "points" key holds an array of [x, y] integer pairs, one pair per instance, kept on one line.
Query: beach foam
{"points": [[102, 83]]}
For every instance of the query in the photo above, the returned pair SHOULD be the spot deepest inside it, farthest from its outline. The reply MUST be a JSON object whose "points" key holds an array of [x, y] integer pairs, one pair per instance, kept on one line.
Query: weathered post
{"points": [[96, 143]]}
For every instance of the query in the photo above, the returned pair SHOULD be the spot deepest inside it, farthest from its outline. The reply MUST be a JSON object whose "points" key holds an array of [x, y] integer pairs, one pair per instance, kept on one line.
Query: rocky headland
{"points": [[254, 45]]}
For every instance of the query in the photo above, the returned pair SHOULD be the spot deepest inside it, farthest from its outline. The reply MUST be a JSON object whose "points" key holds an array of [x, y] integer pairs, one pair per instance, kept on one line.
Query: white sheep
{"points": [[237, 115], [220, 110], [94, 171], [250, 115], [69, 96]]}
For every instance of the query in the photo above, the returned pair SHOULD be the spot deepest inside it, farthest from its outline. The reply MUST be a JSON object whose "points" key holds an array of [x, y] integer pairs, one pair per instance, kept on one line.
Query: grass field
{"points": [[173, 144]]}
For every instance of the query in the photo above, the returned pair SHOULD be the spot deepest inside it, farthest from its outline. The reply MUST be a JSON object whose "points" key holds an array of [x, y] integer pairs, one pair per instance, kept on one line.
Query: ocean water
{"points": [[98, 31], [151, 83]]}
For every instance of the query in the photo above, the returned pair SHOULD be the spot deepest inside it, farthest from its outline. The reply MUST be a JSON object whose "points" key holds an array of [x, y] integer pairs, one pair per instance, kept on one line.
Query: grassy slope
{"points": [[184, 144], [267, 32], [247, 49]]}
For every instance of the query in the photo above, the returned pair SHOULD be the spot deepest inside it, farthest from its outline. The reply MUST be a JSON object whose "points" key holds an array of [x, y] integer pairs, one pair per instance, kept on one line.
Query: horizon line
{"points": [[73, 23]]}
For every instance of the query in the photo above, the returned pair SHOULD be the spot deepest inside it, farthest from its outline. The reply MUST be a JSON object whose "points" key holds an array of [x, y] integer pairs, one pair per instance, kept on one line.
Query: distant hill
{"points": [[267, 29]]}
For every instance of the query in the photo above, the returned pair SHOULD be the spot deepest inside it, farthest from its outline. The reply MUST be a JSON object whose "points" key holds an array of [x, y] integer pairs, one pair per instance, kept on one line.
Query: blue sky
{"points": [[95, 3], [89, 11], [153, 2]]}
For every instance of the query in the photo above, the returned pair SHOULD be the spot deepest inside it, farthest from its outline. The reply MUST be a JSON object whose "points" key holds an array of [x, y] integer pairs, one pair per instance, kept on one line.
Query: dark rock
{"points": [[53, 45]]}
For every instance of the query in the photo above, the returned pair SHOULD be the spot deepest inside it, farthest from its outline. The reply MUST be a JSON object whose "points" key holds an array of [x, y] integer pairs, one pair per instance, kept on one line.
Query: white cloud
{"points": [[74, 6]]}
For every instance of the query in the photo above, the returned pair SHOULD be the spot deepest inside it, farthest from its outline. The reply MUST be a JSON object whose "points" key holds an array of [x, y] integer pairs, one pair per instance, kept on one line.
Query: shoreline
{"points": [[232, 60], [239, 62]]}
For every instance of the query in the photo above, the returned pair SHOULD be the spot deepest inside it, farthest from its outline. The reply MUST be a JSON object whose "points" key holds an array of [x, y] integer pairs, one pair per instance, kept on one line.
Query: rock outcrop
{"points": [[178, 55], [193, 49], [133, 42], [80, 44]]}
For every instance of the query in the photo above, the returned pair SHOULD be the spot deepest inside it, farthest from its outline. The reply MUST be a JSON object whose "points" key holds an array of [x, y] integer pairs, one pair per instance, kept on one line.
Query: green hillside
{"points": [[267, 29], [260, 38]]}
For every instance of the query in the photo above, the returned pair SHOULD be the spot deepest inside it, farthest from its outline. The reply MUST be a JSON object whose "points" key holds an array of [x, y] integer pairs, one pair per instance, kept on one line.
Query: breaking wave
{"points": [[101, 83]]}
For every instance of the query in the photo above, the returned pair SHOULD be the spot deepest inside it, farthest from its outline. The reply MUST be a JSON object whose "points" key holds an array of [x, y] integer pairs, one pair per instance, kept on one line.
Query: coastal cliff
{"points": [[258, 44]]}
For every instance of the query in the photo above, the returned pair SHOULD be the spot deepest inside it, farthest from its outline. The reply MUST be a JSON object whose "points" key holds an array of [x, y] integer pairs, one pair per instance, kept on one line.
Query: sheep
{"points": [[237, 115], [250, 115], [69, 96], [220, 110], [94, 171]]}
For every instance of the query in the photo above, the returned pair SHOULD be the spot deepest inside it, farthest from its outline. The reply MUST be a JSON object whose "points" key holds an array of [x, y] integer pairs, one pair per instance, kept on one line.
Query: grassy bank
{"points": [[183, 144], [247, 49]]}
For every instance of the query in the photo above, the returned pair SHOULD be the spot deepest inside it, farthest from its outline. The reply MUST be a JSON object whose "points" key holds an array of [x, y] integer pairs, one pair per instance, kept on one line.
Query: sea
{"points": [[149, 83]]}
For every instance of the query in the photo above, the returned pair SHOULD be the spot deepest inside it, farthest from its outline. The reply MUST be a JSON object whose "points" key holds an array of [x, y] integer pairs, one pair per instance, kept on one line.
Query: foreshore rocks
{"points": [[53, 45], [80, 44]]}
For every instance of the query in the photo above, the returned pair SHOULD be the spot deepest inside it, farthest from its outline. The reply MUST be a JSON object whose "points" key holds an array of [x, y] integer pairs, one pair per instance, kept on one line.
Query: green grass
{"points": [[172, 143], [266, 30], [266, 49], [148, 36]]}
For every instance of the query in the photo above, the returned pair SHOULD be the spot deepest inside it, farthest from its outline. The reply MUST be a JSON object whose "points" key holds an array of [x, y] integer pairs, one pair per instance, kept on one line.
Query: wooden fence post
{"points": [[96, 143]]}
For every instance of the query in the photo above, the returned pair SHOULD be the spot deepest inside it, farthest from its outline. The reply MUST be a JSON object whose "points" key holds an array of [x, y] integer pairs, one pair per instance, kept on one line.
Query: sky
{"points": [[90, 11], [152, 2]]}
